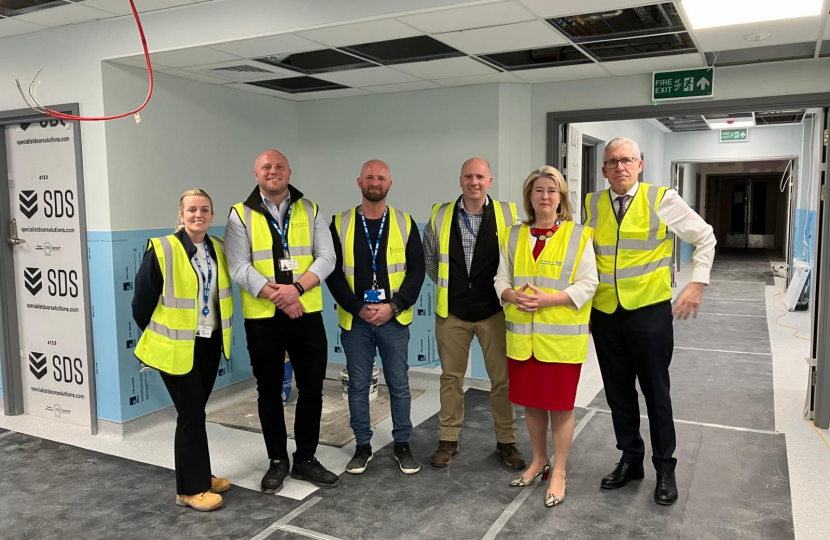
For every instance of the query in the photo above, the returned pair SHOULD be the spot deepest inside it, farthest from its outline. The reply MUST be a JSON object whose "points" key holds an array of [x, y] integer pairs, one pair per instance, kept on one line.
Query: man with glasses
{"points": [[631, 320]]}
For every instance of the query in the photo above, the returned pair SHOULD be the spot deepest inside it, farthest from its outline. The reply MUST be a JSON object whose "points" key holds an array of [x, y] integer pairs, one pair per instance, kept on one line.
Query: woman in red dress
{"points": [[546, 280]]}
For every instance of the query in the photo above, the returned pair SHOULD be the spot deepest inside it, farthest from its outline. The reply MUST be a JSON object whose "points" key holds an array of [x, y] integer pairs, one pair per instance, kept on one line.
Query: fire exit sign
{"points": [[685, 84], [734, 135]]}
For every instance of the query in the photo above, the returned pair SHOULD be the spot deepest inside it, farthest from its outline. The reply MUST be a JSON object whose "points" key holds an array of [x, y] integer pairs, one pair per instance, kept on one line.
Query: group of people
{"points": [[531, 290]]}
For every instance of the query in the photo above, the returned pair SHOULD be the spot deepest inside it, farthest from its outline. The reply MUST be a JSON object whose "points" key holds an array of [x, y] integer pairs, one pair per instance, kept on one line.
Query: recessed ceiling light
{"points": [[715, 13], [757, 36]]}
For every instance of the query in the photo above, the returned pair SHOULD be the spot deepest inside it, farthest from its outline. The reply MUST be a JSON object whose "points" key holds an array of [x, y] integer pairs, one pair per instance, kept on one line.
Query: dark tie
{"points": [[622, 207]]}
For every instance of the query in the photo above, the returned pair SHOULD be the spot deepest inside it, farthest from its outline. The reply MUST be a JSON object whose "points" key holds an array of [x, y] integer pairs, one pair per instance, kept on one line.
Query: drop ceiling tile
{"points": [[446, 68], [267, 46], [138, 62], [480, 79], [783, 31], [510, 37], [122, 7], [355, 34], [647, 65], [267, 92], [561, 73], [556, 8], [62, 15], [367, 77], [260, 71], [194, 76], [194, 56], [13, 27], [402, 87], [343, 92], [471, 17]]}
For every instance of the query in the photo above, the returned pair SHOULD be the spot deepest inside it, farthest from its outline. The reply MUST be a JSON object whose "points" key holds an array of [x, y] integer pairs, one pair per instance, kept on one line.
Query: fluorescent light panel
{"points": [[715, 13]]}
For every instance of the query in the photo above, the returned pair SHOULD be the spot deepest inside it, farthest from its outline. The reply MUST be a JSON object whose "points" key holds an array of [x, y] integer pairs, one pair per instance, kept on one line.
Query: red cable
{"points": [[63, 116]]}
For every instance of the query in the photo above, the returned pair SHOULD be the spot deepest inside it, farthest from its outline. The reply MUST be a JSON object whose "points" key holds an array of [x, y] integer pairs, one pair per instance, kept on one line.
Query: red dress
{"points": [[549, 386]]}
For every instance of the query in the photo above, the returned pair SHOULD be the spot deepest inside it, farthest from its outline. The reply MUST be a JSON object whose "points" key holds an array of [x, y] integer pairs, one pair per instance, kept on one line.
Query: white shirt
{"points": [[212, 318], [687, 225], [585, 278]]}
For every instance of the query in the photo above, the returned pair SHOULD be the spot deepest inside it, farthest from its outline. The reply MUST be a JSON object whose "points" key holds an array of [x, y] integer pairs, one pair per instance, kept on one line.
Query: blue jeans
{"points": [[391, 340]]}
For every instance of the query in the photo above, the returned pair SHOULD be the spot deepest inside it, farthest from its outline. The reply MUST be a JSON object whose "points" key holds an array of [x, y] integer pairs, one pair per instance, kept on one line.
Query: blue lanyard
{"points": [[467, 223], [374, 251], [205, 282], [283, 232]]}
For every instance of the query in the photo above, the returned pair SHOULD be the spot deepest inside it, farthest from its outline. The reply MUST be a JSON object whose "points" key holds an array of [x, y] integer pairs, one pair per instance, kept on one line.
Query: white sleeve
{"points": [[690, 227]]}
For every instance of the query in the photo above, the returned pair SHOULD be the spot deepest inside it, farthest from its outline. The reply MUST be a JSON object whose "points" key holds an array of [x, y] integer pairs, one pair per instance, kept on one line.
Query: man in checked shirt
{"points": [[461, 246]]}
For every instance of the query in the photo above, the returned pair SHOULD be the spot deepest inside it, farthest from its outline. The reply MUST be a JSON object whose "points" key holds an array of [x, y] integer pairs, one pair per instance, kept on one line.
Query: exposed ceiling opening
{"points": [[324, 61], [296, 85], [403, 51], [757, 55], [12, 8], [630, 22], [641, 47], [538, 58], [680, 124]]}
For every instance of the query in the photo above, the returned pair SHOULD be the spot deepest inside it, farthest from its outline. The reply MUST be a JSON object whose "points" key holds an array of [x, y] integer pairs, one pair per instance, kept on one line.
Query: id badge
{"points": [[289, 265], [204, 331], [374, 296]]}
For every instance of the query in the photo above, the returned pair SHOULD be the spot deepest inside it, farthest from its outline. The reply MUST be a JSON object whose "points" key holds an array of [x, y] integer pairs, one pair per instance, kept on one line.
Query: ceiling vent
{"points": [[240, 71]]}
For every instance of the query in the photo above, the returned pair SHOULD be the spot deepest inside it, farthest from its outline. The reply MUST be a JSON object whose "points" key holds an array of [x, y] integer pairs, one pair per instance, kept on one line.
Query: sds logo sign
{"points": [[56, 203], [59, 283]]}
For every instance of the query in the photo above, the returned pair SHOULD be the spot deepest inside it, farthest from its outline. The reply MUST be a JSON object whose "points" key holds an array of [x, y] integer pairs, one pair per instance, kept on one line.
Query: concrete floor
{"points": [[750, 466]]}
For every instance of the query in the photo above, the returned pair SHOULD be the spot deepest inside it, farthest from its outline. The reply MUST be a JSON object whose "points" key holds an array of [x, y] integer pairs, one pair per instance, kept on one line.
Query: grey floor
{"points": [[732, 470]]}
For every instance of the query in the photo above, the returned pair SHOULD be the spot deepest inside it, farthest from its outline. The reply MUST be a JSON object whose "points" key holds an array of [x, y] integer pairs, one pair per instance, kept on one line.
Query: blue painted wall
{"points": [[805, 223]]}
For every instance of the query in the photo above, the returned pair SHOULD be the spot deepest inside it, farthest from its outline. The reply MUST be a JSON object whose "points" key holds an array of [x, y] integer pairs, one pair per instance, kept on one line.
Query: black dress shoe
{"points": [[273, 479], [621, 475], [665, 492], [313, 471]]}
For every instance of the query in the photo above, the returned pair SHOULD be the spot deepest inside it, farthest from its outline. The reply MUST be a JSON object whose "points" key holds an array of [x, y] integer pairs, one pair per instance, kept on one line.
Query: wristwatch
{"points": [[395, 309]]}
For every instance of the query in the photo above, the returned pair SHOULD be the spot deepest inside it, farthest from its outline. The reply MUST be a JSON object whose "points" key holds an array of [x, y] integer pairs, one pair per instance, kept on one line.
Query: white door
{"points": [[48, 271], [573, 170]]}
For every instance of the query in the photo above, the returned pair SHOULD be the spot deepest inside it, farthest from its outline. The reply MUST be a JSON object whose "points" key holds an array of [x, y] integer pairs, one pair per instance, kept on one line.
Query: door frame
{"points": [[9, 328]]}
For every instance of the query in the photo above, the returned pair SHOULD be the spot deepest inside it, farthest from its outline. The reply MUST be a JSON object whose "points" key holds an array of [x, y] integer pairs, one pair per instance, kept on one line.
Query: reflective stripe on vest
{"points": [[300, 247], [441, 223], [551, 334], [167, 343], [395, 256], [634, 258]]}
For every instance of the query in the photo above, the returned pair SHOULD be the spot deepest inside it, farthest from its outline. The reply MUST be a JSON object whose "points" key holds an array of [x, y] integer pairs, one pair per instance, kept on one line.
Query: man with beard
{"points": [[377, 279]]}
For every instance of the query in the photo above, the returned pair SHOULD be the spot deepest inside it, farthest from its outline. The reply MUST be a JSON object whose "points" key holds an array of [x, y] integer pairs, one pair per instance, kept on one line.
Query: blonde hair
{"points": [[188, 193], [564, 212]]}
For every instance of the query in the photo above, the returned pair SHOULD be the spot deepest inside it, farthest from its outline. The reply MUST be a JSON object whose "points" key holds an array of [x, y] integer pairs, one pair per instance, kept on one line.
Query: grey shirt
{"points": [[238, 250]]}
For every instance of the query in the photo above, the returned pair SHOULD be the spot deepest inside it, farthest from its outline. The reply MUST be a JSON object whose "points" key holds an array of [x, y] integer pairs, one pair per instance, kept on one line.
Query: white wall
{"points": [[649, 138], [757, 80], [689, 188], [424, 136], [191, 135]]}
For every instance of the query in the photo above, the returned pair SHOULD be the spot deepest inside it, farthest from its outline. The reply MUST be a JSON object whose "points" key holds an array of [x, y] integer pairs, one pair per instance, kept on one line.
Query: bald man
{"points": [[379, 273], [279, 250], [461, 245]]}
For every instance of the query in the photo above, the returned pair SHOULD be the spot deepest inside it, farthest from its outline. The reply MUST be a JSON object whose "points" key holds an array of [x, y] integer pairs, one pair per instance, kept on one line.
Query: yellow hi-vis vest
{"points": [[441, 223], [300, 247], [400, 223], [556, 333], [633, 258], [168, 342]]}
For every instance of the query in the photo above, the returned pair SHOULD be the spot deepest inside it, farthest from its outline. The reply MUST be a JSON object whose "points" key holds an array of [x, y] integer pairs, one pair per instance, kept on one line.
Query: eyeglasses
{"points": [[612, 163]]}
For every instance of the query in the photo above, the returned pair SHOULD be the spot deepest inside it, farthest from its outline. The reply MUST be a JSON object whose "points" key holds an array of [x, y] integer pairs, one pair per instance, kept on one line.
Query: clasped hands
{"points": [[376, 314], [529, 303], [285, 297]]}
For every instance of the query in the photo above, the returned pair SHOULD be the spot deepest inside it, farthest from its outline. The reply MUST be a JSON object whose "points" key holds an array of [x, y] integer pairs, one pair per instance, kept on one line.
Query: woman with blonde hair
{"points": [[183, 303], [546, 279]]}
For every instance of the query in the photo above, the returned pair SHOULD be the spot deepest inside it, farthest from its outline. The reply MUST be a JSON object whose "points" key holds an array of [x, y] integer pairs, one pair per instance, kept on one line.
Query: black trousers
{"points": [[638, 345], [190, 394], [305, 341]]}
